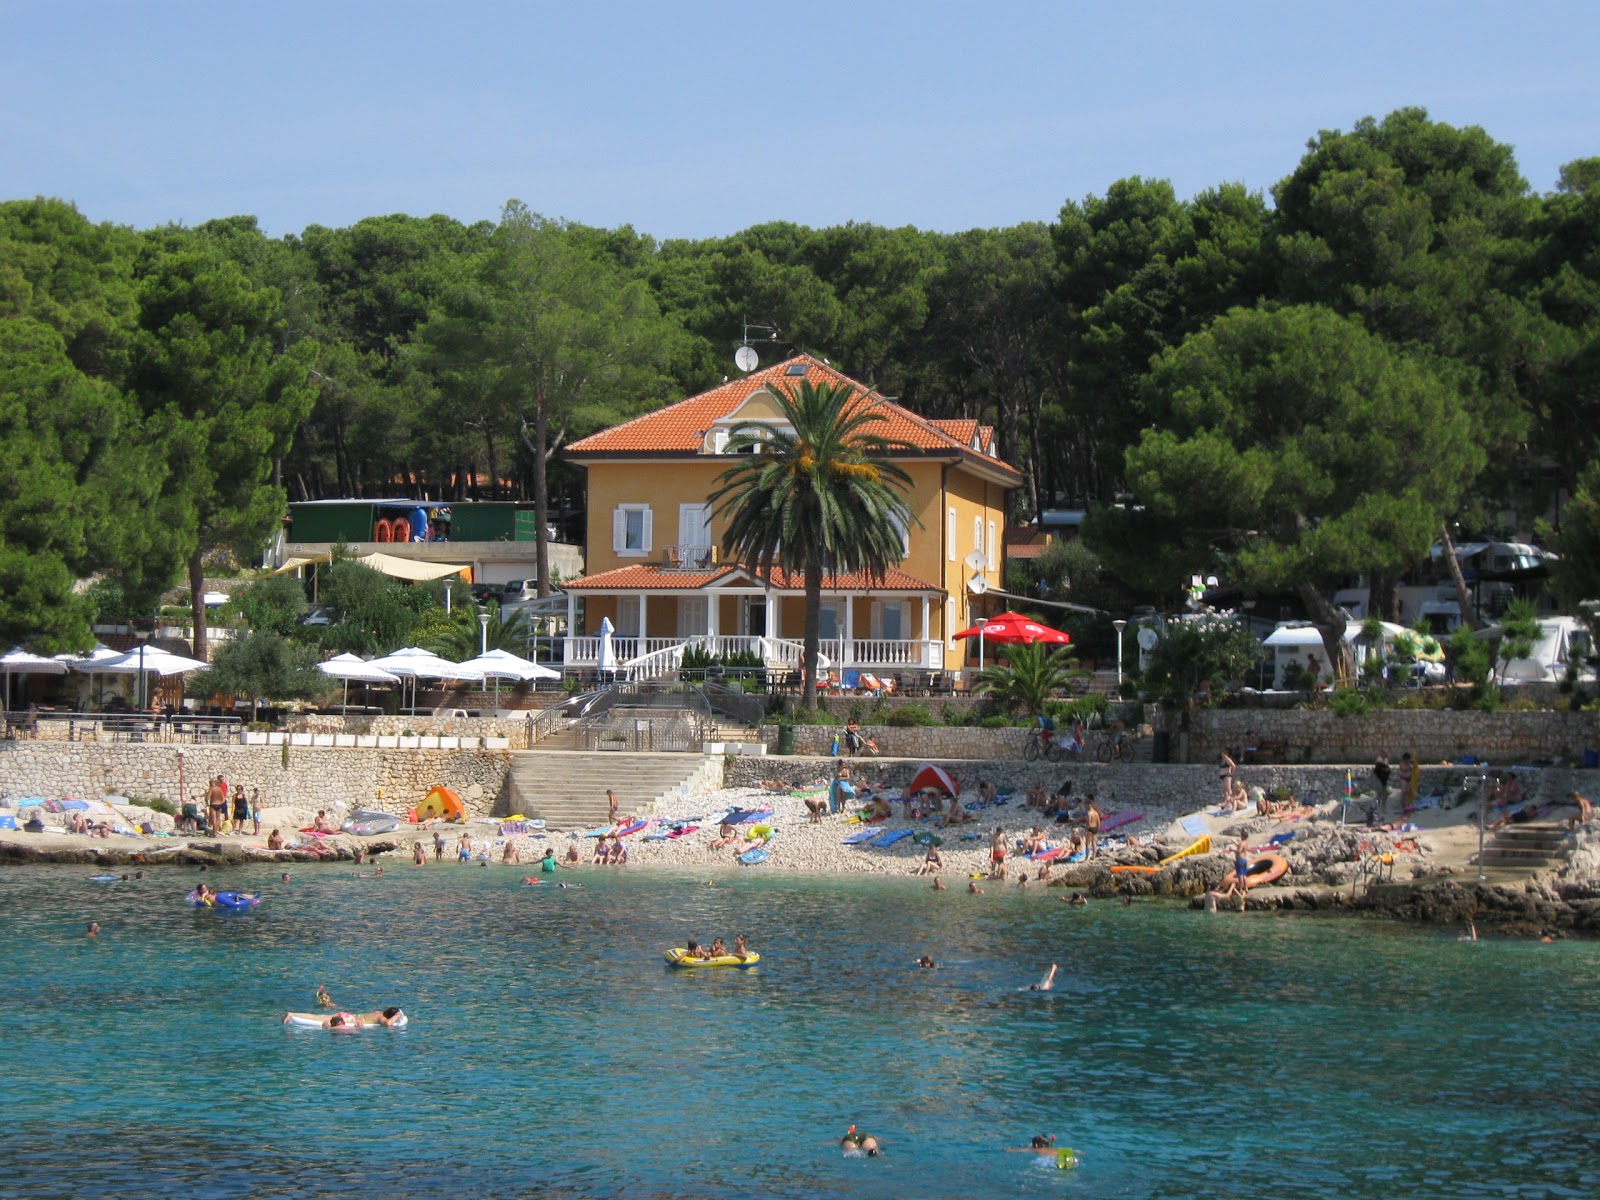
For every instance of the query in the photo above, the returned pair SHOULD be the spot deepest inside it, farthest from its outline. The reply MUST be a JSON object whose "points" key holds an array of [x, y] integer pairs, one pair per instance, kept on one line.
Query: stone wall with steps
{"points": [[567, 789]]}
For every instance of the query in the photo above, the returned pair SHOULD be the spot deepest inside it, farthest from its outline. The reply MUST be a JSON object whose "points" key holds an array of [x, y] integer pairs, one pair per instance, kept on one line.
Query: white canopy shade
{"points": [[348, 667], [100, 653], [502, 664]]}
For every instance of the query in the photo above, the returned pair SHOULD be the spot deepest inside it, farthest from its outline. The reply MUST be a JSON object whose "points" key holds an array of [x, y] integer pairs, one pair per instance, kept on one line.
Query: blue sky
{"points": [[700, 119]]}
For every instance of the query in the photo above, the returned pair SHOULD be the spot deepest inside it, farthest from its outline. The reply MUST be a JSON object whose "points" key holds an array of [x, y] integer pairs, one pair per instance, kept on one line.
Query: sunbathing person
{"points": [[741, 948], [1034, 841], [956, 815], [388, 1017], [727, 835], [1518, 815], [877, 810]]}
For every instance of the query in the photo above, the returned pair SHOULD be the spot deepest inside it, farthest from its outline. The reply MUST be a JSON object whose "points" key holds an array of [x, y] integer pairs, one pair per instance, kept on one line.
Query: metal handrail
{"points": [[131, 726]]}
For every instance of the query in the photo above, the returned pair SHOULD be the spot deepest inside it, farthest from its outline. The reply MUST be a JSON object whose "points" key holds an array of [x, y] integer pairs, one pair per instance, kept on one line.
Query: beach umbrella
{"points": [[19, 662], [347, 667], [607, 660], [1011, 628], [151, 660], [502, 664], [414, 663]]}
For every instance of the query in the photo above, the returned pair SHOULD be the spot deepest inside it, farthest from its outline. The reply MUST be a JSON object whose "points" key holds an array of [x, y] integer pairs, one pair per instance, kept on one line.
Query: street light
{"points": [[144, 636], [483, 620], [447, 596], [1119, 626]]}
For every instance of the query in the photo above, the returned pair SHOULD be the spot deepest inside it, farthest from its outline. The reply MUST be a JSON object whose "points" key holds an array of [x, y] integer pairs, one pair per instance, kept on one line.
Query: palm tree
{"points": [[465, 636], [1030, 675], [816, 494]]}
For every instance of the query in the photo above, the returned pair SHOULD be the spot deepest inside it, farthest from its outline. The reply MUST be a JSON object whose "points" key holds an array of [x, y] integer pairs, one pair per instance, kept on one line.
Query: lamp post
{"points": [[144, 636], [483, 622], [1119, 626], [1483, 804], [447, 596]]}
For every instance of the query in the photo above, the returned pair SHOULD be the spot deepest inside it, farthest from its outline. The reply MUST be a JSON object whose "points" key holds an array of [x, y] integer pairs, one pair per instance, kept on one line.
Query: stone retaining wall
{"points": [[1317, 735], [1134, 786], [309, 777]]}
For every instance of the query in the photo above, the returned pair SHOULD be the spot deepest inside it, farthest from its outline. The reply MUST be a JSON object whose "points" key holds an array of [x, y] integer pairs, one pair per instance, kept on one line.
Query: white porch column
{"points": [[572, 628], [771, 630], [644, 600], [847, 649], [927, 634], [713, 617]]}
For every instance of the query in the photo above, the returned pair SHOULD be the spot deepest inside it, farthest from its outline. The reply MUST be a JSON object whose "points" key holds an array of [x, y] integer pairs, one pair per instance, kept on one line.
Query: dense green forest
{"points": [[1403, 338]]}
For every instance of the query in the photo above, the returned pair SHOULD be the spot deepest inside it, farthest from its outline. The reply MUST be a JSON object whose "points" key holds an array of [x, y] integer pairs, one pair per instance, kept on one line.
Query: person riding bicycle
{"points": [[1047, 729]]}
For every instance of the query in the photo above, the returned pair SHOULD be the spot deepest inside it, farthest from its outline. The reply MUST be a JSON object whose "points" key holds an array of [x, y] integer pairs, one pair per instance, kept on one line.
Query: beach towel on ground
{"points": [[1119, 820], [1279, 839], [1195, 826], [1049, 854], [859, 839], [891, 838]]}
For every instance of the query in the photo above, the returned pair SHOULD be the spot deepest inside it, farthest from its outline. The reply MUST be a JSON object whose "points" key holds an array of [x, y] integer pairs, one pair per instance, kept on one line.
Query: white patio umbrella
{"points": [[502, 664], [146, 660], [414, 663], [607, 659], [85, 663], [19, 662], [348, 667]]}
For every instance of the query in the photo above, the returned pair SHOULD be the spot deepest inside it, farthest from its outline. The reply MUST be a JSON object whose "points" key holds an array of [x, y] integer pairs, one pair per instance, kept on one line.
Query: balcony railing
{"points": [[871, 653], [689, 557]]}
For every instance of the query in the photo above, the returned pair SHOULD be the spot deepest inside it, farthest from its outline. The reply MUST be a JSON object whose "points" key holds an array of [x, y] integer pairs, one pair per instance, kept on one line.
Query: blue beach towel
{"points": [[891, 838], [862, 838]]}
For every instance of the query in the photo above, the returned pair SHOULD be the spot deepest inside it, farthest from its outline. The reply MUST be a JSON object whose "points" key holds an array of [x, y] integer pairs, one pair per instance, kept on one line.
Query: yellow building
{"points": [[654, 568]]}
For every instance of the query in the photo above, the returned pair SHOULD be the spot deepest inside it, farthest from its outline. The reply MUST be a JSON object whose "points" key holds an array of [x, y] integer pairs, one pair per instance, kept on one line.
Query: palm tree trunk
{"points": [[813, 636]]}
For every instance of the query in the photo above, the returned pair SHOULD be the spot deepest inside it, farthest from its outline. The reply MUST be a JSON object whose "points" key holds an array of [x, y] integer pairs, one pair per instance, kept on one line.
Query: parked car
{"points": [[519, 589], [320, 616]]}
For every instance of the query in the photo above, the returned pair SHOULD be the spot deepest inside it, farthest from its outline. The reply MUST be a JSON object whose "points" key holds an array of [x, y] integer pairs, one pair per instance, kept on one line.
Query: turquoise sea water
{"points": [[551, 1053]]}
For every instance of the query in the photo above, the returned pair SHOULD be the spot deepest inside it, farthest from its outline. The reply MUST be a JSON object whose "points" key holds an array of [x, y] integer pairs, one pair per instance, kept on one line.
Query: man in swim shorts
{"points": [[860, 1143]]}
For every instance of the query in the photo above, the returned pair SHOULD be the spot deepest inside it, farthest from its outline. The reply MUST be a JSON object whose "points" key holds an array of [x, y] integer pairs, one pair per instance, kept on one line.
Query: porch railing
{"points": [[658, 664]]}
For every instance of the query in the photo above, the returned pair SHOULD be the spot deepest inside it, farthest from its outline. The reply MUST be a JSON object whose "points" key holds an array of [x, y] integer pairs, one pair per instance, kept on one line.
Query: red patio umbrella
{"points": [[1010, 628]]}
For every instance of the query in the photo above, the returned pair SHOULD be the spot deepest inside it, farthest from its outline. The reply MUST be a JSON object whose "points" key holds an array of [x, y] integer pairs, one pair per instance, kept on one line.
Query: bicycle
{"points": [[1115, 747], [1037, 745]]}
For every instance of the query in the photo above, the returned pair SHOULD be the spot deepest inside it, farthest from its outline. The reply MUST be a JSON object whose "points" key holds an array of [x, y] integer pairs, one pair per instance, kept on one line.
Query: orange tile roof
{"points": [[1024, 549], [654, 577], [681, 428]]}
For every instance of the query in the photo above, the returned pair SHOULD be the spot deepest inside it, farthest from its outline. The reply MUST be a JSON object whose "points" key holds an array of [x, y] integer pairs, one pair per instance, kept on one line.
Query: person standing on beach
{"points": [[997, 854], [1380, 781], [1403, 774], [464, 850], [217, 806], [418, 855], [1225, 771], [241, 809], [611, 805], [255, 811], [438, 846]]}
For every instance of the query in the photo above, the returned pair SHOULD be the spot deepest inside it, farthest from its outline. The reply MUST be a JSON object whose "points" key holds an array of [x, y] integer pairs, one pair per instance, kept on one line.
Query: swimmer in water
{"points": [[324, 1000], [926, 961], [854, 1143], [93, 930], [938, 884], [1048, 982], [1040, 1144]]}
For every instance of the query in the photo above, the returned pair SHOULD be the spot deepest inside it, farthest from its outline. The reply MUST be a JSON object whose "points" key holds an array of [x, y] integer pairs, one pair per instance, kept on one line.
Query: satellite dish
{"points": [[1148, 638], [977, 560], [978, 585], [746, 358]]}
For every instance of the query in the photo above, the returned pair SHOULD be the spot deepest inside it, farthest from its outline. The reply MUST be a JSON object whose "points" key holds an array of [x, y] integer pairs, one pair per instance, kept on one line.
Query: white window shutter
{"points": [[619, 529], [950, 532], [989, 547], [648, 543]]}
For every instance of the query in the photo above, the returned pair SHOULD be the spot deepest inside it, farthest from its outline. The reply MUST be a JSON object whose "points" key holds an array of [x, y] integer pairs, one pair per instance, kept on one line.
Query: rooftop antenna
{"points": [[745, 357]]}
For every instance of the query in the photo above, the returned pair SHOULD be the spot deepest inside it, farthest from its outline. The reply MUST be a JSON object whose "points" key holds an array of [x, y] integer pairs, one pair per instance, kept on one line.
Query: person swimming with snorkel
{"points": [[855, 1143]]}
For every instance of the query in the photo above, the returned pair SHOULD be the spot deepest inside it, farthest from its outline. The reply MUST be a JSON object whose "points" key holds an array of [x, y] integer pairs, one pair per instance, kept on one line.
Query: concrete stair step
{"points": [[567, 789]]}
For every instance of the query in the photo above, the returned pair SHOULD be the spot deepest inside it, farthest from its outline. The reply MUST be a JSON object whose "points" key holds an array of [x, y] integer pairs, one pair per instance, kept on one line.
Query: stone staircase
{"points": [[567, 790], [1520, 851]]}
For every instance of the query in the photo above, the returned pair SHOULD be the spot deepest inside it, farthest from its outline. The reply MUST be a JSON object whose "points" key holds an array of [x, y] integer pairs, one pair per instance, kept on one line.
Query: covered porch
{"points": [[734, 618]]}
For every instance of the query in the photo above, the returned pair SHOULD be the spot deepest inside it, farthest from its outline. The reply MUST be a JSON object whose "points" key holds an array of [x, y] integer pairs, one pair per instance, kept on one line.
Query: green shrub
{"points": [[909, 716], [995, 721], [157, 804], [1349, 702]]}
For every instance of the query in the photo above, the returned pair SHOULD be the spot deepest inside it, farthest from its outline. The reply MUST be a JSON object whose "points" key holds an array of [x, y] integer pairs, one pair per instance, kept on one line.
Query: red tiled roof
{"points": [[654, 577], [1024, 549], [681, 428]]}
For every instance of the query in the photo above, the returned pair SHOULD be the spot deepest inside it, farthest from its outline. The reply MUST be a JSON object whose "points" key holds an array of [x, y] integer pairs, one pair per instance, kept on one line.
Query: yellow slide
{"points": [[1201, 845]]}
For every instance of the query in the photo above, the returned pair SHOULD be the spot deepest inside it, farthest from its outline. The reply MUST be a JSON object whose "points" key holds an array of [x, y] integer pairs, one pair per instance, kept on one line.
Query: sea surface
{"points": [[551, 1052]]}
